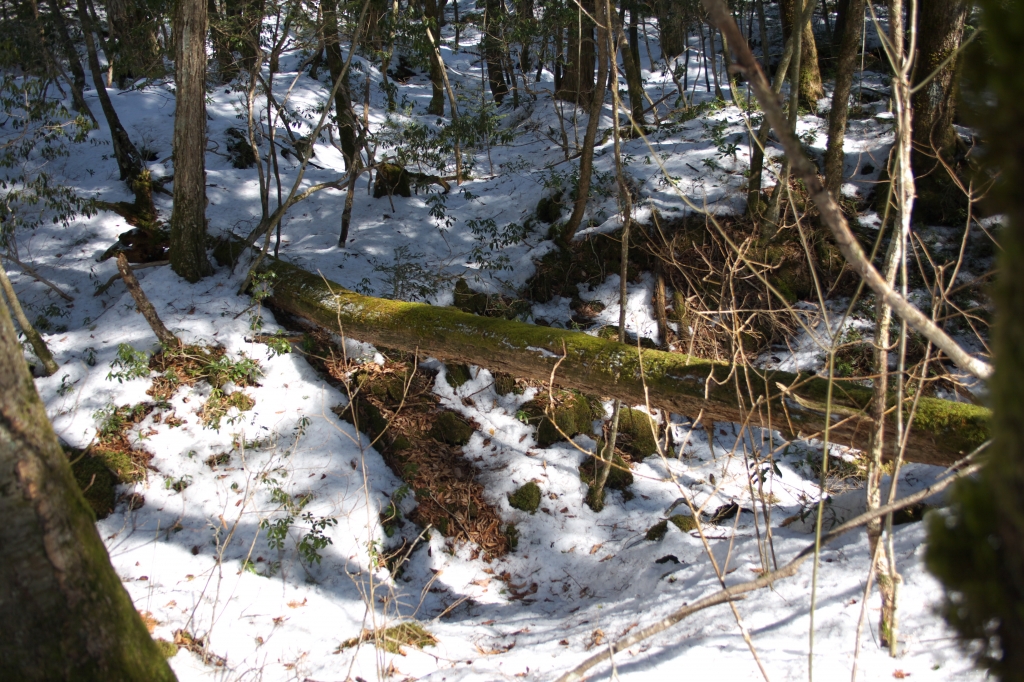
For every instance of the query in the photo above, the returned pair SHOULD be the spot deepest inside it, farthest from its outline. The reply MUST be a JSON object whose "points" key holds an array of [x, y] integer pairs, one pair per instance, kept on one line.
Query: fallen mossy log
{"points": [[793, 404]]}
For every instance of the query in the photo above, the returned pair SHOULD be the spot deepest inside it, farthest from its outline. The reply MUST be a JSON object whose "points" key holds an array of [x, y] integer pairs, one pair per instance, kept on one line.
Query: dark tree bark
{"points": [[432, 13], [631, 67], [188, 217], [848, 44], [136, 52], [347, 127], [672, 22], [978, 550], [596, 105], [227, 69], [491, 48], [940, 28], [811, 88], [64, 614], [74, 63], [577, 84]]}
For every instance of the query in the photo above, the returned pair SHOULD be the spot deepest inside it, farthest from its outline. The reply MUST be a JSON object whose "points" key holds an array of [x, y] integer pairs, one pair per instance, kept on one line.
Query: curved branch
{"points": [[766, 579], [831, 214]]}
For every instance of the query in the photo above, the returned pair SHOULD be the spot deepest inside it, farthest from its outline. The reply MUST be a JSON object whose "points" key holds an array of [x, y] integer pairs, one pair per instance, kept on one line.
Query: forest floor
{"points": [[263, 540]]}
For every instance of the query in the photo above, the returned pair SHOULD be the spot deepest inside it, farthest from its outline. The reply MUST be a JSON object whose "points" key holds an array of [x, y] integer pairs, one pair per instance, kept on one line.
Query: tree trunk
{"points": [[220, 37], [634, 79], [39, 346], [940, 28], [684, 384], [672, 26], [490, 48], [188, 217], [587, 153], [978, 550], [432, 11], [136, 51], [811, 88], [848, 44], [74, 63], [578, 76], [65, 614], [347, 127]]}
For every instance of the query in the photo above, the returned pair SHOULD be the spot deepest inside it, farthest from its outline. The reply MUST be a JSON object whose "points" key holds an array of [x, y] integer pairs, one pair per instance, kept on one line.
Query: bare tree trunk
{"points": [[587, 152], [74, 63], [811, 88], [837, 115], [578, 75], [631, 65], [39, 346], [347, 126], [188, 218], [490, 48], [66, 615], [129, 161], [167, 338], [133, 30], [672, 20], [431, 10]]}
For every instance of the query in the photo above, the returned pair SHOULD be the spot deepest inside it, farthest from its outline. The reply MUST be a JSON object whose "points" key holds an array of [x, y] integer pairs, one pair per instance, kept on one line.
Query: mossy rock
{"points": [[526, 498], [469, 301], [681, 521], [95, 481], [451, 428], [457, 375], [573, 414], [639, 441], [391, 179], [619, 478], [505, 384], [549, 209]]}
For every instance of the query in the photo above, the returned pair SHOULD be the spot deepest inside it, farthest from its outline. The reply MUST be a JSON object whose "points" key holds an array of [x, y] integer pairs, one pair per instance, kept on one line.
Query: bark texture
{"points": [[978, 550], [188, 217], [811, 88], [64, 614], [849, 42], [577, 84], [672, 24], [347, 131], [940, 28], [596, 105], [791, 403]]}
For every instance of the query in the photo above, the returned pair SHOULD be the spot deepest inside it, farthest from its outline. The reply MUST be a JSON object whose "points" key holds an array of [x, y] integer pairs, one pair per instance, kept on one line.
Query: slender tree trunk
{"points": [[39, 346], [74, 63], [347, 127], [587, 152], [631, 65], [848, 44], [227, 69], [578, 76], [66, 615], [490, 48], [129, 161], [431, 10], [811, 88], [188, 217]]}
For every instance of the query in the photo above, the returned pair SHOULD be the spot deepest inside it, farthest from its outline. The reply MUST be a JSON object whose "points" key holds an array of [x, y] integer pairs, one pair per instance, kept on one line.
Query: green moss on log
{"points": [[681, 521], [943, 431]]}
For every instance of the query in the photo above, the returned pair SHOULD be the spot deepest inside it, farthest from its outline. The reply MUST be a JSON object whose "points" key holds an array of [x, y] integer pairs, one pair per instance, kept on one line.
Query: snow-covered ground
{"points": [[195, 557]]}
